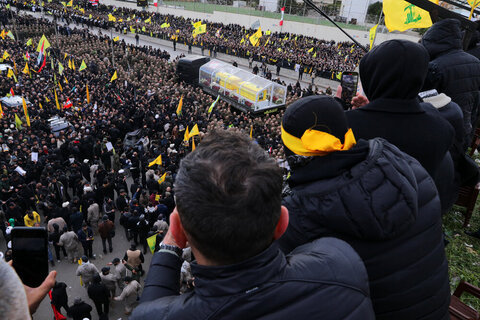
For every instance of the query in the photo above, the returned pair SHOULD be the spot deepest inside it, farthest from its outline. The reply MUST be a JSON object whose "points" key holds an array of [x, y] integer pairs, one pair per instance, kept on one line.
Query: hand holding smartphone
{"points": [[349, 84], [30, 254]]}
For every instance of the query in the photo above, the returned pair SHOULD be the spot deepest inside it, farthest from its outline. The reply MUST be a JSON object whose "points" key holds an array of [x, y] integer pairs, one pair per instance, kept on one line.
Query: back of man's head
{"points": [[228, 195]]}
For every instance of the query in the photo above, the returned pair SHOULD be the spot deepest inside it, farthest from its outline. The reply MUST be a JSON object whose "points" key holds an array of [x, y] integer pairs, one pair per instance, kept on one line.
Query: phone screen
{"points": [[30, 255], [349, 87]]}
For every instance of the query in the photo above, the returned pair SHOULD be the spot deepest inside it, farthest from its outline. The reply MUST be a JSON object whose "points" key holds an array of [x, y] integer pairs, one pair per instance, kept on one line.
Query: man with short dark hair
{"points": [[239, 273]]}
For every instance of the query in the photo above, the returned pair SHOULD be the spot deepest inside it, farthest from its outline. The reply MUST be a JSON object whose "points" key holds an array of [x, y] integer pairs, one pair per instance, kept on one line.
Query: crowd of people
{"points": [[282, 49], [359, 233]]}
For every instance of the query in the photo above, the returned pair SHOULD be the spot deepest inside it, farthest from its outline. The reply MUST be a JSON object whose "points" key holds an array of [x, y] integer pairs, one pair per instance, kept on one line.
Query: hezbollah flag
{"points": [[186, 135], [83, 66], [60, 68], [473, 4], [373, 32], [1, 111], [43, 42], [25, 111], [18, 122], [26, 70], [158, 161], [162, 178], [179, 108], [210, 109], [254, 38], [401, 15], [114, 77], [151, 242], [116, 39], [194, 131]]}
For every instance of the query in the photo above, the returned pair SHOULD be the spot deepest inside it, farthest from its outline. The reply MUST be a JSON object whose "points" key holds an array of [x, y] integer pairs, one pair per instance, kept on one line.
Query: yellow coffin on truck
{"points": [[228, 81], [249, 91]]}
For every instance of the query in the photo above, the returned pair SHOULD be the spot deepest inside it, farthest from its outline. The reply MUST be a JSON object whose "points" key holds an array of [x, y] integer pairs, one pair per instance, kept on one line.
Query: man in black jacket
{"points": [[375, 197], [453, 71], [80, 310], [239, 273], [100, 295], [396, 114]]}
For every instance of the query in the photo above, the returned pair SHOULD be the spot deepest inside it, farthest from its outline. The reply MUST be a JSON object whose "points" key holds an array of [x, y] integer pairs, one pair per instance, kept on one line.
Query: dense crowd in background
{"points": [[283, 49]]}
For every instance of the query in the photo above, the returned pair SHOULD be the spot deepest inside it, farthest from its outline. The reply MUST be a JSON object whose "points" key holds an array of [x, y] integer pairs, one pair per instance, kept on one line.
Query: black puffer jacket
{"points": [[453, 71], [324, 279], [385, 205]]}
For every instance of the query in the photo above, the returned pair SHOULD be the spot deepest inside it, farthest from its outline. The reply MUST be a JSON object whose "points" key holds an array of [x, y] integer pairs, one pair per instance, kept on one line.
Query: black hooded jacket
{"points": [[384, 204], [392, 75], [453, 71]]}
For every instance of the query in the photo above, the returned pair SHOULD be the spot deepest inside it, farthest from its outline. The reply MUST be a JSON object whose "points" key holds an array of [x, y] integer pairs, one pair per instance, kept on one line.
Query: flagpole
{"points": [[378, 23], [111, 39]]}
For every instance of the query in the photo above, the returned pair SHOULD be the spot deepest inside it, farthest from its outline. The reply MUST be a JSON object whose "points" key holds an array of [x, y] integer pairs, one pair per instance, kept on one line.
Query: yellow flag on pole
{"points": [[44, 41], [151, 242], [194, 131], [251, 131], [83, 66], [116, 39], [373, 32], [1, 111], [60, 68], [25, 111], [179, 108], [473, 4], [162, 178], [114, 77], [26, 70], [158, 161], [5, 55], [254, 38], [56, 99], [18, 122], [193, 144], [88, 94], [401, 15], [186, 135]]}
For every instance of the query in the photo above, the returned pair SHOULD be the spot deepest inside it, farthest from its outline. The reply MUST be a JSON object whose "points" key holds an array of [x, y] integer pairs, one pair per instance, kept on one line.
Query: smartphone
{"points": [[30, 254], [349, 87]]}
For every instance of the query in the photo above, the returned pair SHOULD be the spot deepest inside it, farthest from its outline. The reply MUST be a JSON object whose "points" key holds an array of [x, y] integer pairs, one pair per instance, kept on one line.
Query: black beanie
{"points": [[322, 113]]}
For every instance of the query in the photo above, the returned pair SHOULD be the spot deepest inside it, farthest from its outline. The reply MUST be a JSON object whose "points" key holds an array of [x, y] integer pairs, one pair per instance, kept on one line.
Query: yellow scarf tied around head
{"points": [[317, 143]]}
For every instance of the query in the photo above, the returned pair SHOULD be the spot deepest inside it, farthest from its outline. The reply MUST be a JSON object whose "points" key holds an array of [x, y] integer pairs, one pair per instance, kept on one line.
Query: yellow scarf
{"points": [[317, 143]]}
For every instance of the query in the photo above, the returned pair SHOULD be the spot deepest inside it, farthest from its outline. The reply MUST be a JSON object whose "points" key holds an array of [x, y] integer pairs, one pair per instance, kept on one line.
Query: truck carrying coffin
{"points": [[242, 89]]}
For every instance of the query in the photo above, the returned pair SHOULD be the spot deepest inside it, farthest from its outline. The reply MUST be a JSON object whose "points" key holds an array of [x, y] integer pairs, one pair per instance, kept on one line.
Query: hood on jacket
{"points": [[442, 37], [395, 69], [375, 199]]}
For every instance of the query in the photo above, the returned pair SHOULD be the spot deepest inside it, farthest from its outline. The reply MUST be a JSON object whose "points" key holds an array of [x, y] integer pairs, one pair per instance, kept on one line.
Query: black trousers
{"points": [[57, 251], [87, 248], [102, 307]]}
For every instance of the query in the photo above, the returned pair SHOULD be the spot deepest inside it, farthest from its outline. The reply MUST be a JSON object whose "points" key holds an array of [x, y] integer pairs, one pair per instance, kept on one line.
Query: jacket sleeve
{"points": [[163, 277]]}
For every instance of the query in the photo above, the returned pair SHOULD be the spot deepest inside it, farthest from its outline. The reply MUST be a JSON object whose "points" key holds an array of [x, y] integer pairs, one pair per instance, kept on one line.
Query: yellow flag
{"points": [[254, 38], [56, 99], [401, 15], [202, 29], [69, 64], [25, 111], [144, 29], [132, 29], [70, 3], [18, 122], [373, 32], [158, 161], [149, 20], [30, 42], [10, 35], [40, 105], [5, 55], [162, 178], [1, 111], [66, 81], [242, 41], [473, 4], [151, 241], [73, 64], [194, 131], [165, 25], [114, 77], [186, 135], [44, 41], [60, 87], [251, 131], [11, 74], [197, 24], [26, 70], [88, 94], [116, 39], [193, 144], [82, 66], [60, 68], [179, 108], [310, 50], [111, 17]]}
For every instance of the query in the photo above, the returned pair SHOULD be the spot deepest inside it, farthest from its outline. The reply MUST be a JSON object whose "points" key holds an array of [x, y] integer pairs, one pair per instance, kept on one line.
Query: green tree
{"points": [[374, 9]]}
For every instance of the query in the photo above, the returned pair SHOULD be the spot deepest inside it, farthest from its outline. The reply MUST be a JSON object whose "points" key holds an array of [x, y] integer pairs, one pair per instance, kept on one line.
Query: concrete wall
{"points": [[312, 30]]}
